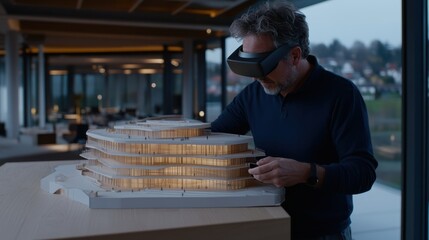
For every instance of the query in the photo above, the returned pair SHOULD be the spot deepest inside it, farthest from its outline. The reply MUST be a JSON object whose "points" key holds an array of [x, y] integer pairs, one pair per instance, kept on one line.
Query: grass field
{"points": [[385, 123]]}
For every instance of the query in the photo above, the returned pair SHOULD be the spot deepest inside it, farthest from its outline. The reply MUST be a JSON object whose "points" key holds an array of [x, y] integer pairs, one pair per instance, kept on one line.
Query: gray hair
{"points": [[281, 20]]}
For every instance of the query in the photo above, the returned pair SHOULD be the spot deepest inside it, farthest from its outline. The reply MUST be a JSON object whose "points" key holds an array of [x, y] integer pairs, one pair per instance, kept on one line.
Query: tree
{"points": [[378, 56], [358, 56], [321, 50], [338, 51]]}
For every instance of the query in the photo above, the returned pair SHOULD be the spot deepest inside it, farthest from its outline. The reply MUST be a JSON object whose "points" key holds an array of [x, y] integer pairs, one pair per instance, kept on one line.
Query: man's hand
{"points": [[282, 172]]}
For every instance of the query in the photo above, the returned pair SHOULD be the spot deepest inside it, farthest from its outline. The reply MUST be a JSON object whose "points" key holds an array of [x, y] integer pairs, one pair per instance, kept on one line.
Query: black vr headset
{"points": [[257, 65]]}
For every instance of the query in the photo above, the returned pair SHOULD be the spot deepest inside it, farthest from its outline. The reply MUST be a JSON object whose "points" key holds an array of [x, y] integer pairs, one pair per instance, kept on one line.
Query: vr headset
{"points": [[256, 65]]}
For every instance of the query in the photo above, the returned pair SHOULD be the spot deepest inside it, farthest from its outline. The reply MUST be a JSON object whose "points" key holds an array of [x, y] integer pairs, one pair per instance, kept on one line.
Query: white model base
{"points": [[69, 181]]}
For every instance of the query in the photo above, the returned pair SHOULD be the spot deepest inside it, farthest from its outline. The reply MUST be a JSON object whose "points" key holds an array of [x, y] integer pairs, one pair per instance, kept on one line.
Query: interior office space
{"points": [[106, 61]]}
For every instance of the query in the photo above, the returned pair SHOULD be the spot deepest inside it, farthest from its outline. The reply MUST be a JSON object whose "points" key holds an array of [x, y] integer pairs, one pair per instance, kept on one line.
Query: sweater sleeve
{"points": [[355, 171]]}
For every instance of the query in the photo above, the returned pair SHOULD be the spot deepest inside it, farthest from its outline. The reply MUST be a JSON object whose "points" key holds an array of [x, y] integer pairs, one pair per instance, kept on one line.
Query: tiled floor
{"points": [[377, 214]]}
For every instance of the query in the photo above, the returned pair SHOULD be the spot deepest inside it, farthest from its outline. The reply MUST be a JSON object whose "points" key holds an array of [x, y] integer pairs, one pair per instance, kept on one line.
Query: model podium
{"points": [[163, 163]]}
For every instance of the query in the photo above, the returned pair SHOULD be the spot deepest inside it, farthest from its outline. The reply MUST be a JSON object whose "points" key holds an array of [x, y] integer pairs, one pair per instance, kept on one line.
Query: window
{"points": [[369, 54]]}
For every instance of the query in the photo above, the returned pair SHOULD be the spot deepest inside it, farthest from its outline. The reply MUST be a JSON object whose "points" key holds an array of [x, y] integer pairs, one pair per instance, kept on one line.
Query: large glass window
{"points": [[214, 90], [373, 63], [104, 89], [234, 83], [3, 95], [367, 50]]}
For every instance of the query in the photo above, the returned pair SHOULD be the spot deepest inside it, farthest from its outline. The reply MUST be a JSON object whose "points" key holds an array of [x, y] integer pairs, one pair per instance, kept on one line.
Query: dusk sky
{"points": [[351, 20], [347, 21]]}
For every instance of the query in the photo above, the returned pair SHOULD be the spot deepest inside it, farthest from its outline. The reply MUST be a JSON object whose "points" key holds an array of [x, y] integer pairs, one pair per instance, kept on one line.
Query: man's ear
{"points": [[296, 54]]}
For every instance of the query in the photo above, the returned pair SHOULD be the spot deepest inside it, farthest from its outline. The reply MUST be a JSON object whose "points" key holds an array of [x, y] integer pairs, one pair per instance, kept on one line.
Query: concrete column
{"points": [[42, 83], [201, 83], [168, 83], [188, 80], [71, 97], [106, 93], [12, 84], [141, 85], [148, 95], [117, 96]]}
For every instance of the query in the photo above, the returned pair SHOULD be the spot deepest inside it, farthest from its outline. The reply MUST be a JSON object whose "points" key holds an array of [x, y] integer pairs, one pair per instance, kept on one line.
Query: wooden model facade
{"points": [[168, 154], [163, 163]]}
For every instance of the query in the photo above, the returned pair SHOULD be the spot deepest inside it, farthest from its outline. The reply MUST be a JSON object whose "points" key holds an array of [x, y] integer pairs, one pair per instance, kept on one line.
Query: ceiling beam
{"points": [[231, 6], [96, 29], [166, 25], [79, 4], [148, 19], [135, 5], [183, 6]]}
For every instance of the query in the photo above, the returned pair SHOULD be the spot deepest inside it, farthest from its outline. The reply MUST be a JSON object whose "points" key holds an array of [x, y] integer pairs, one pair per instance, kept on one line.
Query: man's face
{"points": [[282, 77]]}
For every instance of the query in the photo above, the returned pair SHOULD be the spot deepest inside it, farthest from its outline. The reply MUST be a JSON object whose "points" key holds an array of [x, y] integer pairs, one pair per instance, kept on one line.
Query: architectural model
{"points": [[163, 163]]}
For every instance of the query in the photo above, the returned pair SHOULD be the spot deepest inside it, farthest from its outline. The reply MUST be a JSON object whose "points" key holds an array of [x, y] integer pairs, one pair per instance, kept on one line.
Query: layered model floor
{"points": [[169, 157]]}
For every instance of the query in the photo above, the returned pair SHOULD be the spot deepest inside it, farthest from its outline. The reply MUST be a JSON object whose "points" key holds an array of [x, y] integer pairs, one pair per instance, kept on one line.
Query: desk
{"points": [[35, 136], [27, 212]]}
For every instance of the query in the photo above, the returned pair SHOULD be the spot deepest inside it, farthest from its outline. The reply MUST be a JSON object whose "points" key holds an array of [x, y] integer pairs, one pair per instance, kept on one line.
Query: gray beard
{"points": [[278, 89], [274, 91]]}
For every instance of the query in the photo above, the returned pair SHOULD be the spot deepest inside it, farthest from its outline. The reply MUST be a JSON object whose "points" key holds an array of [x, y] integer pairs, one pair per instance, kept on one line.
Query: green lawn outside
{"points": [[384, 115]]}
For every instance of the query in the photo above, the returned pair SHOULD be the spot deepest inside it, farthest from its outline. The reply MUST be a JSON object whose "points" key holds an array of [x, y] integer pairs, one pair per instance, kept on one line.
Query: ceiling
{"points": [[120, 25]]}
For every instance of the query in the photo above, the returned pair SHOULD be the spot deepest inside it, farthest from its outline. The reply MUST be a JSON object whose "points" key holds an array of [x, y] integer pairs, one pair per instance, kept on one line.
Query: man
{"points": [[311, 123]]}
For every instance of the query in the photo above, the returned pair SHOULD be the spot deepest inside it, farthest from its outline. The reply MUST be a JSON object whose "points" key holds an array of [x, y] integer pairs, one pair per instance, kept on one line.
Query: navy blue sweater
{"points": [[324, 121]]}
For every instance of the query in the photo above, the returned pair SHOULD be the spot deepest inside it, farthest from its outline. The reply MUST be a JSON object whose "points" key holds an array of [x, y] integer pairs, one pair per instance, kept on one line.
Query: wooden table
{"points": [[36, 136], [27, 212]]}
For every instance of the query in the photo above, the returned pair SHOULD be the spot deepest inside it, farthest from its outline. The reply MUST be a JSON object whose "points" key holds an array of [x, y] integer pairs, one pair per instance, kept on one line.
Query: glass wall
{"points": [[103, 89], [367, 50], [367, 54], [370, 56], [3, 100], [214, 89], [234, 83]]}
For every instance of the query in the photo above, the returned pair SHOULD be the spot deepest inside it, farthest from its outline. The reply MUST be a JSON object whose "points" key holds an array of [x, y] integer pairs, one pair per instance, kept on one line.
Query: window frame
{"points": [[414, 217]]}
